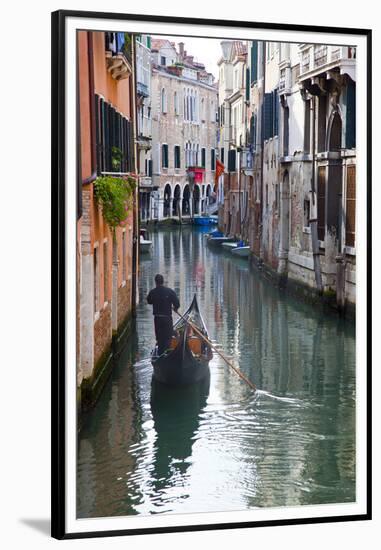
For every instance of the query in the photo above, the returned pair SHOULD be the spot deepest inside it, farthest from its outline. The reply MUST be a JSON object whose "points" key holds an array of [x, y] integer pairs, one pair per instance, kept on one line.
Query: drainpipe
{"points": [[313, 220]]}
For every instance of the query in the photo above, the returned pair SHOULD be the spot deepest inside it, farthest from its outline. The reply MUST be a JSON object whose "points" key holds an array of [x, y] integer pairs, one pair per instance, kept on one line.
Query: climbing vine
{"points": [[115, 196]]}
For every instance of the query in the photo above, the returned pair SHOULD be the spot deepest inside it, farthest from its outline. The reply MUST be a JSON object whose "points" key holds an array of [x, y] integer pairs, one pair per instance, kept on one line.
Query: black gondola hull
{"points": [[181, 367]]}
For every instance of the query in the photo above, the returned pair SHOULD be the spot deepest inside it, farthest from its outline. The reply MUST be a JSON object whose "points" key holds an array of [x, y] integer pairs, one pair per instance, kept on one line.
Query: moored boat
{"points": [[187, 360], [201, 220], [145, 245], [218, 240], [229, 245], [242, 251]]}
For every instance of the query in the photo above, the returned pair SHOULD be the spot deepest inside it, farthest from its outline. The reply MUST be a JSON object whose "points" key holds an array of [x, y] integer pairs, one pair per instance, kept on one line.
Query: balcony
{"points": [[142, 89], [119, 54], [285, 80], [145, 181], [198, 173], [317, 59]]}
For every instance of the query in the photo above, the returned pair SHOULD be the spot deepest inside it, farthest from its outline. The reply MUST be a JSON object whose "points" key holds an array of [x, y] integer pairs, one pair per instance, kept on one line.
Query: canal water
{"points": [[221, 447]]}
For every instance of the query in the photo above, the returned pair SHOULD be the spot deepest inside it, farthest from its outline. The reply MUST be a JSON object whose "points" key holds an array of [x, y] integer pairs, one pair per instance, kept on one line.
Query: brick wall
{"points": [[124, 302], [102, 333]]}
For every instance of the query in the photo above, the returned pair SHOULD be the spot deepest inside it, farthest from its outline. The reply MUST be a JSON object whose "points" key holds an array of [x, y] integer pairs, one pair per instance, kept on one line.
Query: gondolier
{"points": [[163, 299]]}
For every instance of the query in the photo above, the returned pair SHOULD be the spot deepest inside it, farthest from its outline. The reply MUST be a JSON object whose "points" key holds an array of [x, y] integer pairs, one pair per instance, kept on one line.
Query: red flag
{"points": [[220, 169]]}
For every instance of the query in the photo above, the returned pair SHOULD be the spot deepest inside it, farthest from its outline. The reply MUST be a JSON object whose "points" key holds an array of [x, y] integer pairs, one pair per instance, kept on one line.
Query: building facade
{"points": [[184, 133], [144, 124], [106, 259], [294, 173]]}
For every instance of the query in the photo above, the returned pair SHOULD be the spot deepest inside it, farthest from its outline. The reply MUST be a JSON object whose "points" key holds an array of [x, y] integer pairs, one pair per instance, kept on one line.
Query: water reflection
{"points": [[291, 443]]}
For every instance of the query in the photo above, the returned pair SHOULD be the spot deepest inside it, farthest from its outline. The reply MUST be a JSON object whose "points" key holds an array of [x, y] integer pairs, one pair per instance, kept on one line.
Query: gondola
{"points": [[187, 360]]}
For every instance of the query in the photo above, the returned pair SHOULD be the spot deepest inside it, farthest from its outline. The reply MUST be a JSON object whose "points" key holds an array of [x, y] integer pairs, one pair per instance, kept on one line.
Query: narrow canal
{"points": [[225, 448]]}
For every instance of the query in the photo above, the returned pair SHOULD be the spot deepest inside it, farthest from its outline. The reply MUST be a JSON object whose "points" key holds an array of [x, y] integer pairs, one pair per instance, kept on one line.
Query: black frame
{"points": [[58, 397]]}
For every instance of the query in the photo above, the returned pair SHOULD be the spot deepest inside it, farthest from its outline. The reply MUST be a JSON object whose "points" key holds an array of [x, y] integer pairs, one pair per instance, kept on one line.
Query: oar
{"points": [[231, 365]]}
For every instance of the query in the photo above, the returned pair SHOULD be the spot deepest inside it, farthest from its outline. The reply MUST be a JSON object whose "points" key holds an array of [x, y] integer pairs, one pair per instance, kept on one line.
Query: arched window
{"points": [[176, 103], [185, 103], [163, 101], [202, 109]]}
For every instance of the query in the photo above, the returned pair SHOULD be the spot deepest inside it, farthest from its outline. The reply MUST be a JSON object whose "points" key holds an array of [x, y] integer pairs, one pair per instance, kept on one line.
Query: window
{"points": [[254, 63], [277, 197], [307, 126], [231, 160], [105, 272], [212, 159], [202, 110], [222, 155], [322, 122], [321, 203], [163, 101], [96, 279], [350, 209], [212, 112], [203, 157], [176, 103], [162, 60], [164, 155], [286, 131], [253, 131], [350, 134], [177, 156], [124, 256], [113, 132], [271, 108]]}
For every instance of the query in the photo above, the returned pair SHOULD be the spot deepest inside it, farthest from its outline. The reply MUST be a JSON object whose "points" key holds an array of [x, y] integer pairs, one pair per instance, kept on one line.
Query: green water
{"points": [[146, 450]]}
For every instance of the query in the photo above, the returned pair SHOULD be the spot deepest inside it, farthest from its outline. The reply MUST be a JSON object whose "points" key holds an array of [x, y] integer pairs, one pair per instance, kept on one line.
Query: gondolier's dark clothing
{"points": [[162, 299]]}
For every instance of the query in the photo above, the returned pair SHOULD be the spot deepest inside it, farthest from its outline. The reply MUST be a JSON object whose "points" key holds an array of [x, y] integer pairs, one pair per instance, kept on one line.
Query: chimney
{"points": [[226, 46], [181, 46]]}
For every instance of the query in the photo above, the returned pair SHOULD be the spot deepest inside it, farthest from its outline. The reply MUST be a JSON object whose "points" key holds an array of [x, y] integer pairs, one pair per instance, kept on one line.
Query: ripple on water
{"points": [[292, 442]]}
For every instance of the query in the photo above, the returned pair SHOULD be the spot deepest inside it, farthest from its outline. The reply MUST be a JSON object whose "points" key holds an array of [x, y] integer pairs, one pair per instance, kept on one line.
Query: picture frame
{"points": [[65, 169]]}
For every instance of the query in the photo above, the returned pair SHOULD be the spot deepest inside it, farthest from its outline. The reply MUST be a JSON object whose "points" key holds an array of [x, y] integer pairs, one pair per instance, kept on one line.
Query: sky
{"points": [[204, 50]]}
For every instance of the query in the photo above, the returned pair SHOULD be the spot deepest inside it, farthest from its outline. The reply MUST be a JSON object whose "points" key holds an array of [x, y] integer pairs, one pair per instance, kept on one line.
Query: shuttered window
{"points": [[114, 139], [203, 157], [271, 114], [254, 62], [232, 160], [247, 84], [164, 155], [350, 210], [212, 159], [321, 203], [350, 135], [275, 112], [177, 156]]}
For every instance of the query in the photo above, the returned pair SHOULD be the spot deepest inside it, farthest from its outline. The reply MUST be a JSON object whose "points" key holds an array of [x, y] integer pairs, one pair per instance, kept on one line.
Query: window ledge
{"points": [[350, 250]]}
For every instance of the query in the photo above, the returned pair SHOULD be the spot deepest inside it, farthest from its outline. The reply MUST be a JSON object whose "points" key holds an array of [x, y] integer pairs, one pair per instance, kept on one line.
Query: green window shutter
{"points": [[268, 115], [247, 84], [254, 62], [350, 133], [231, 160], [276, 112]]}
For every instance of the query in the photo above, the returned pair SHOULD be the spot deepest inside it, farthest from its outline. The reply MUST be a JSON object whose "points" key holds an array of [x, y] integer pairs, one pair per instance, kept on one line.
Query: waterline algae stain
{"points": [[145, 449]]}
